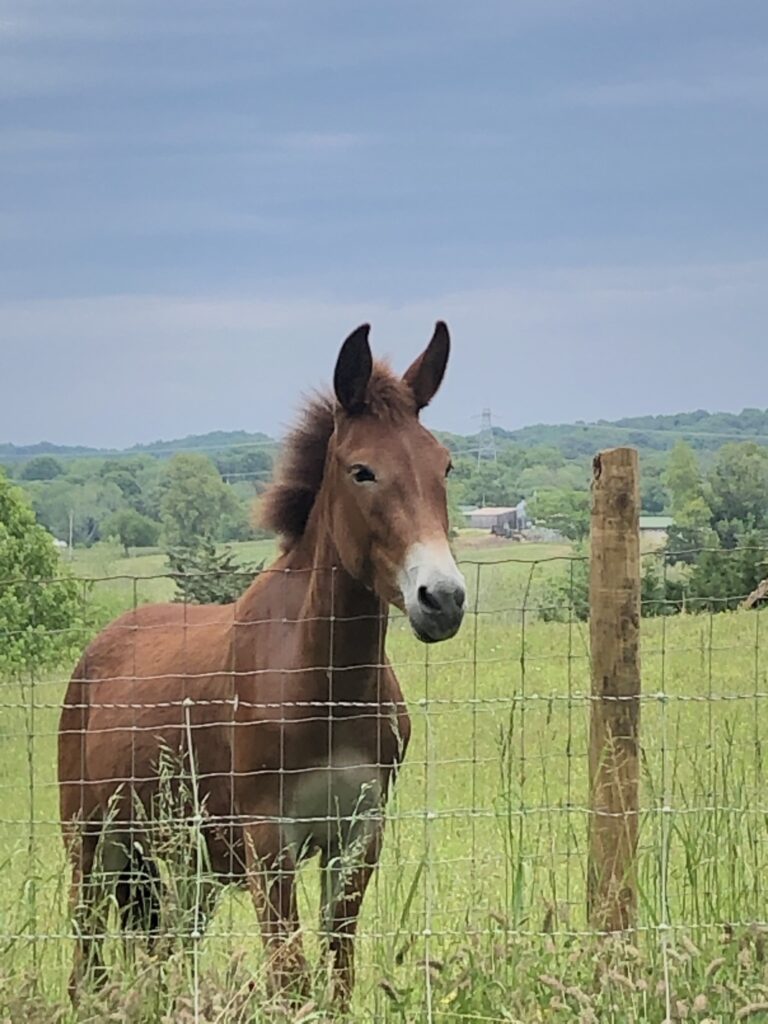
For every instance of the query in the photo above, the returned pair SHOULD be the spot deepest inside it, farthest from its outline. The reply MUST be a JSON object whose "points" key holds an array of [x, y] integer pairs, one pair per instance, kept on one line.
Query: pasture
{"points": [[478, 911]]}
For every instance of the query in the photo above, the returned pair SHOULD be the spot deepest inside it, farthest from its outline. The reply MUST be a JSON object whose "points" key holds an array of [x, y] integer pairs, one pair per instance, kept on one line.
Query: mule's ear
{"points": [[353, 370], [425, 374]]}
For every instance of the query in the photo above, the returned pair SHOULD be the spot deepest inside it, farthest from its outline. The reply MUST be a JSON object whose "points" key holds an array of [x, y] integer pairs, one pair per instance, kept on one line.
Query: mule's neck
{"points": [[343, 623]]}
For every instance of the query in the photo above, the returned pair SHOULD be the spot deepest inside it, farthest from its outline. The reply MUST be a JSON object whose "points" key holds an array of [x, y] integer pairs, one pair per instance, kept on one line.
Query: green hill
{"points": [[215, 441], [704, 431]]}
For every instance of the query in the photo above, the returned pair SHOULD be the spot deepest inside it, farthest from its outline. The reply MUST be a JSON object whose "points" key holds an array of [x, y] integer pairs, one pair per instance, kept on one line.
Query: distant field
{"points": [[479, 906], [120, 582]]}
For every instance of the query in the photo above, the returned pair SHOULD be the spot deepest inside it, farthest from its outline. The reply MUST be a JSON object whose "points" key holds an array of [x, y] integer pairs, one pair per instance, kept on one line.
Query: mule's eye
{"points": [[449, 469], [363, 474]]}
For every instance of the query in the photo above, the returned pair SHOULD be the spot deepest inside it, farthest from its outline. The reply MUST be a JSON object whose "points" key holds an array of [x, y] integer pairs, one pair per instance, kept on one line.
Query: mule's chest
{"points": [[327, 806]]}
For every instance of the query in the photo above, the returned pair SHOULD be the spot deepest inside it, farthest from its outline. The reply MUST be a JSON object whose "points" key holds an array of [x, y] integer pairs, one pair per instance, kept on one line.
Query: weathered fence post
{"points": [[614, 599]]}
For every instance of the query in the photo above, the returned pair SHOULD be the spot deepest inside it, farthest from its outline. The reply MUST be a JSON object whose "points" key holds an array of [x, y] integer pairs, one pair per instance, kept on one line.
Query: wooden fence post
{"points": [[614, 626]]}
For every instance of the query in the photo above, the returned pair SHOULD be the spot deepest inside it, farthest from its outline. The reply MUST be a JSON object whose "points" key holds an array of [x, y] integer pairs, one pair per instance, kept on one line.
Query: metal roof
{"points": [[493, 510], [656, 522]]}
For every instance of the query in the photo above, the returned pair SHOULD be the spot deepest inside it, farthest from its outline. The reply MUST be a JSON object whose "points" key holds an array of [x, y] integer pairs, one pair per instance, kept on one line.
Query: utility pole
{"points": [[71, 532]]}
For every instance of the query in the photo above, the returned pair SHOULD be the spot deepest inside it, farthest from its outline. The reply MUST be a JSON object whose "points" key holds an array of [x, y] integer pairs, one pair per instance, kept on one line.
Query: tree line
{"points": [[143, 501], [126, 495], [190, 497]]}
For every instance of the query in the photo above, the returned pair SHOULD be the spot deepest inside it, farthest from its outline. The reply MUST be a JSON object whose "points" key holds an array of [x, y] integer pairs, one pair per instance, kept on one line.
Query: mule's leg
{"points": [[139, 895], [86, 959], [271, 879], [345, 877], [89, 908]]}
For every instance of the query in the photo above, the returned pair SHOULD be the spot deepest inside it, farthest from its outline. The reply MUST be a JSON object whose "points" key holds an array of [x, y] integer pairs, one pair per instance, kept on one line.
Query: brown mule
{"points": [[284, 714]]}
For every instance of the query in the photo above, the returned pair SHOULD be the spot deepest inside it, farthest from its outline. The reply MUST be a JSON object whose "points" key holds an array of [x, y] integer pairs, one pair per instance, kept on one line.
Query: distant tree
{"points": [[691, 514], [571, 476], [539, 455], [194, 500], [235, 524], [683, 478], [132, 529], [684, 543], [737, 490], [564, 511], [42, 467], [246, 463], [124, 476], [41, 620], [489, 483], [653, 496], [90, 504]]}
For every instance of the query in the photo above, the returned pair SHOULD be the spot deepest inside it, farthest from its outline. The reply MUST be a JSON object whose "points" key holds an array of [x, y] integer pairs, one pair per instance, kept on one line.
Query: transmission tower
{"points": [[486, 442]]}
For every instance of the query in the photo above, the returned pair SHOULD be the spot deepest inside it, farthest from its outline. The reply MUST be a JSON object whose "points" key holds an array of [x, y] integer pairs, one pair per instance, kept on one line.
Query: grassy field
{"points": [[478, 910]]}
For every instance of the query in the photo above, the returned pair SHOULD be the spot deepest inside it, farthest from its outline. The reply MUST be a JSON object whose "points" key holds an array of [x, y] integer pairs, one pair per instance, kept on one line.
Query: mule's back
{"points": [[147, 678]]}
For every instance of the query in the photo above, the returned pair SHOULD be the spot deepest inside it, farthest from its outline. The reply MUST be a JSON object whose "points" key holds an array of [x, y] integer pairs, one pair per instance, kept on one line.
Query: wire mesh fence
{"points": [[478, 907]]}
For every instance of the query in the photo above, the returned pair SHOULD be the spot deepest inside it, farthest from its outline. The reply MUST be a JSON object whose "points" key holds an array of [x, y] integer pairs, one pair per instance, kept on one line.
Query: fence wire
{"points": [[477, 910]]}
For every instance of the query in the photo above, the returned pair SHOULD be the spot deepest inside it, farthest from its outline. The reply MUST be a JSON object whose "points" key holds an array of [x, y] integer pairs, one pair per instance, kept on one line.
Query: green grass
{"points": [[478, 909]]}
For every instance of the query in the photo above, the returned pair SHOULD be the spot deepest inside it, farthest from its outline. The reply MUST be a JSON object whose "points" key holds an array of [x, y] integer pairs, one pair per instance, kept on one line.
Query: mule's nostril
{"points": [[437, 609], [428, 600]]}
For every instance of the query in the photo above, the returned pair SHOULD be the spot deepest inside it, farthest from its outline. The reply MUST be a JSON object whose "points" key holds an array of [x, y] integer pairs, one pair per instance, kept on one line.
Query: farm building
{"points": [[494, 517], [655, 527]]}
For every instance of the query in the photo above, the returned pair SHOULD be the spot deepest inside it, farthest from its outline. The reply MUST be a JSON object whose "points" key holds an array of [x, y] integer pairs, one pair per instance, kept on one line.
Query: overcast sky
{"points": [[198, 200]]}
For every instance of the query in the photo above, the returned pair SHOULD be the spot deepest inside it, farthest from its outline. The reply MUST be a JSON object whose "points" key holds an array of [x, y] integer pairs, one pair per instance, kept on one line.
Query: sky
{"points": [[200, 200]]}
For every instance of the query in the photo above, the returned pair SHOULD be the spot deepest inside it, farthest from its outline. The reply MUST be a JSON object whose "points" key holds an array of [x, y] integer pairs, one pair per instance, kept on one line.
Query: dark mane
{"points": [[288, 501]]}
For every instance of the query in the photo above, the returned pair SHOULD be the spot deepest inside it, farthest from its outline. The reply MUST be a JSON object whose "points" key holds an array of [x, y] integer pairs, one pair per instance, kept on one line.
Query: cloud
{"points": [[549, 346], [655, 91], [33, 141], [21, 78], [36, 20], [707, 72]]}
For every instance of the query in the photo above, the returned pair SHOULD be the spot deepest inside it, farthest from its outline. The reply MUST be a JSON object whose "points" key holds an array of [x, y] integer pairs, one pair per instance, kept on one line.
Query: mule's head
{"points": [[386, 486]]}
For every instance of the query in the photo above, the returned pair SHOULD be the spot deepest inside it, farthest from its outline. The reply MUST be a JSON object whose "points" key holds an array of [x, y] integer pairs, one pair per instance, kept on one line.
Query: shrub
{"points": [[722, 577], [207, 576], [661, 593], [132, 529], [41, 606]]}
